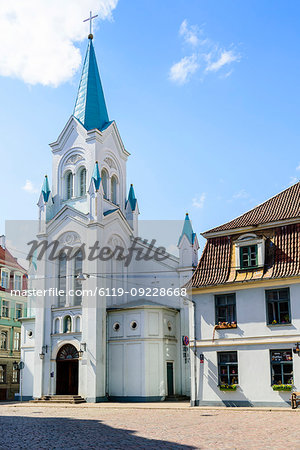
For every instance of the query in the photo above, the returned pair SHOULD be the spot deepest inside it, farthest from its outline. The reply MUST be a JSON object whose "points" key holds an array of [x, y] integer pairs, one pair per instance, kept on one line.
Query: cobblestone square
{"points": [[167, 426]]}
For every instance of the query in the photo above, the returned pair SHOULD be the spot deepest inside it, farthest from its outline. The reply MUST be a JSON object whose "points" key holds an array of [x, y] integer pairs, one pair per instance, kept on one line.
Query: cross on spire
{"points": [[90, 20]]}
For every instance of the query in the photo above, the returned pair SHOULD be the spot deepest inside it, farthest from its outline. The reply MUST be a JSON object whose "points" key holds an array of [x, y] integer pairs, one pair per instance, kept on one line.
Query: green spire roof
{"points": [[90, 108], [187, 230], [131, 198], [46, 189]]}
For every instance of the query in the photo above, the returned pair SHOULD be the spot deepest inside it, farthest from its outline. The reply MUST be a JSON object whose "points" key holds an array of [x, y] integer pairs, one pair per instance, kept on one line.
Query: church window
{"points": [[69, 185], [116, 326], [114, 189], [67, 324], [56, 326], [82, 181], [77, 324], [133, 325], [77, 283], [62, 274], [104, 178]]}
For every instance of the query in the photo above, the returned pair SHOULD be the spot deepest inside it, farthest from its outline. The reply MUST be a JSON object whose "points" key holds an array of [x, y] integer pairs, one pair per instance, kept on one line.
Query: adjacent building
{"points": [[246, 292], [13, 307]]}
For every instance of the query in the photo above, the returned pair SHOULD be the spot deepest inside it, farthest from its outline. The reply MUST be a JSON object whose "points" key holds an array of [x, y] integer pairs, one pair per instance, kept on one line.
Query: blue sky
{"points": [[214, 144]]}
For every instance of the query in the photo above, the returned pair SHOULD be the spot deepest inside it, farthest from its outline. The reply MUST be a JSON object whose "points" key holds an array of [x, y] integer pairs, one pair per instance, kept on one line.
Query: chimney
{"points": [[2, 241]]}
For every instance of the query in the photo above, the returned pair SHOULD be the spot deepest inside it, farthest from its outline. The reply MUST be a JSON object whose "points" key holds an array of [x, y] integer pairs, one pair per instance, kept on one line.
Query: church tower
{"points": [[83, 339]]}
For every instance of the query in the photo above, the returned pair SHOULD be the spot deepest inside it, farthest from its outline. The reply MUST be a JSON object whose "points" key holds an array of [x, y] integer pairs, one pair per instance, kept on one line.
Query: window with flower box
{"points": [[278, 306], [225, 308], [228, 368], [281, 367]]}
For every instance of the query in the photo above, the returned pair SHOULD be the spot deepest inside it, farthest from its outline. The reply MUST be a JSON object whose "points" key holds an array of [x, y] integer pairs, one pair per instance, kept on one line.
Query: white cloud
{"points": [[181, 71], [241, 194], [189, 33], [208, 56], [226, 57], [293, 180], [29, 187], [37, 37], [198, 202]]}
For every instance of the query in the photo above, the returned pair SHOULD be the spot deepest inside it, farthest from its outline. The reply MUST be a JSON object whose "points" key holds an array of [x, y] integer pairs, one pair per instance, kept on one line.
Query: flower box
{"points": [[228, 387], [223, 325], [282, 387]]}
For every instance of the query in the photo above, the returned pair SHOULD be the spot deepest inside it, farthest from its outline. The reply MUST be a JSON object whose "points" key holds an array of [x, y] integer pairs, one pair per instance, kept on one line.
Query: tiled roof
{"points": [[214, 265], [284, 259], [7, 259], [285, 205]]}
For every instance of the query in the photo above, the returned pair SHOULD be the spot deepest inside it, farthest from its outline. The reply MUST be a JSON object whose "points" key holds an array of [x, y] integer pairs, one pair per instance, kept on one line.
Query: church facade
{"points": [[104, 328]]}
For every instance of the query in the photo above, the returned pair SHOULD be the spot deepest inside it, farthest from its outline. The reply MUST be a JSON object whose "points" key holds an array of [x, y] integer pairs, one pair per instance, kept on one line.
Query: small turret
{"points": [[132, 210]]}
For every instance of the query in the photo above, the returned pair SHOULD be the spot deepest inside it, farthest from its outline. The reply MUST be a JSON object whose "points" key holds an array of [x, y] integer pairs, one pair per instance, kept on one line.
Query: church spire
{"points": [[187, 230], [90, 108]]}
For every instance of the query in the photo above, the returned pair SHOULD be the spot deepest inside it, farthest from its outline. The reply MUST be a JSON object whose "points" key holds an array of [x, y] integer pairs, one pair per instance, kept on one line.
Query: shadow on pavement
{"points": [[66, 433]]}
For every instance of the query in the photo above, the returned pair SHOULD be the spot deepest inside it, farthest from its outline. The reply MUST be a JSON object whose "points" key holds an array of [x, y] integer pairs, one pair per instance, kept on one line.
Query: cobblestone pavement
{"points": [[108, 427]]}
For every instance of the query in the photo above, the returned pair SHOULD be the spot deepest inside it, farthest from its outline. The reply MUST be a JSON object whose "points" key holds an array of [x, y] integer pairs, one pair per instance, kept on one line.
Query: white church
{"points": [[79, 339]]}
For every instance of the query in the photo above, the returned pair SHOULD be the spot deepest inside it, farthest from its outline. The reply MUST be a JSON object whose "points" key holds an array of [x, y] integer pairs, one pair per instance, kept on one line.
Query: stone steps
{"points": [[74, 399]]}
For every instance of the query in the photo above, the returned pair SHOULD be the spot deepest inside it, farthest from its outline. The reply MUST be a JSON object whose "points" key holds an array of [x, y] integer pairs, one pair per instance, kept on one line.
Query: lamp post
{"points": [[19, 366]]}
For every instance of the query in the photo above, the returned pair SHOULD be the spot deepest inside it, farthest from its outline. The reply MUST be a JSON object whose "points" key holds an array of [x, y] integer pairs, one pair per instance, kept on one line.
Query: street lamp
{"points": [[82, 349]]}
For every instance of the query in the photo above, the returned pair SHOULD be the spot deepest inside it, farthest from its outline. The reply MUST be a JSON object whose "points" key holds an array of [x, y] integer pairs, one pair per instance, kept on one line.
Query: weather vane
{"points": [[90, 20]]}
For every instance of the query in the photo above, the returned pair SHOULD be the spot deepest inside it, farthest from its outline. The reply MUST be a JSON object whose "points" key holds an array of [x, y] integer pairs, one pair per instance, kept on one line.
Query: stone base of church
{"points": [[241, 404]]}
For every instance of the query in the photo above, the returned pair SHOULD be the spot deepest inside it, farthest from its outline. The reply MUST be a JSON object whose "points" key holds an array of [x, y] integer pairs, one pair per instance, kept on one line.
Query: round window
{"points": [[116, 326], [133, 325], [29, 333]]}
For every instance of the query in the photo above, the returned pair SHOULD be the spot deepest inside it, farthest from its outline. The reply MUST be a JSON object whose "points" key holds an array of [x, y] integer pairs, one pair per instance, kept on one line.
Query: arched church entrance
{"points": [[67, 370]]}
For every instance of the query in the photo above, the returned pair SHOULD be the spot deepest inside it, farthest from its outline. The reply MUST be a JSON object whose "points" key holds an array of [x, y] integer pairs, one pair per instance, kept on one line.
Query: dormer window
{"points": [[248, 257], [249, 252]]}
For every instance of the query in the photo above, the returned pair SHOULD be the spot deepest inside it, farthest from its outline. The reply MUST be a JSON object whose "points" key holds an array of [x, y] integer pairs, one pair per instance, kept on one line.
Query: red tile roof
{"points": [[285, 205], [214, 266], [7, 259]]}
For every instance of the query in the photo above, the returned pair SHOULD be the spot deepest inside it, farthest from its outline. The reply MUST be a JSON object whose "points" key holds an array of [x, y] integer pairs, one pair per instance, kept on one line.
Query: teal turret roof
{"points": [[187, 230], [96, 176], [90, 108], [46, 189], [131, 198]]}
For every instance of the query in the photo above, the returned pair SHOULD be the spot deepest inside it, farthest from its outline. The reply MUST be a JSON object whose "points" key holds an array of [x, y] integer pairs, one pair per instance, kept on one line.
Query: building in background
{"points": [[246, 291], [13, 307]]}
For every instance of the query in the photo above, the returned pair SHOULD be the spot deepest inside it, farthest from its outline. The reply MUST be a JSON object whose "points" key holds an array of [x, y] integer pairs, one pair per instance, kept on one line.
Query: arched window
{"points": [[104, 178], [77, 283], [114, 183], [82, 182], [77, 324], [67, 324], [62, 278], [69, 185], [56, 326]]}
